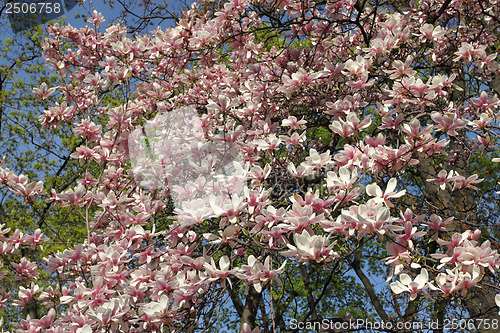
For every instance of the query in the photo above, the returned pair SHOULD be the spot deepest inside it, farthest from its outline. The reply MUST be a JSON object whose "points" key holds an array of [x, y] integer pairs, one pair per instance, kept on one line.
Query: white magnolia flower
{"points": [[375, 191], [413, 287]]}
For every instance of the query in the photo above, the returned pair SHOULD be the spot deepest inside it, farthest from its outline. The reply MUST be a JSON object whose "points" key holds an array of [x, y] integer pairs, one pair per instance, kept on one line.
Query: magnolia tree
{"points": [[257, 156]]}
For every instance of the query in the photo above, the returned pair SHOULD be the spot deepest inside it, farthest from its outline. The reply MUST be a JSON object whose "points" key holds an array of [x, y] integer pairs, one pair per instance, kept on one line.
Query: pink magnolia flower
{"points": [[57, 114], [356, 67], [469, 279], [84, 329], [43, 92], [318, 161], [294, 139], [223, 272], [399, 257], [466, 52], [341, 128], [344, 181], [448, 122], [84, 153], [367, 222], [410, 232], [74, 197], [298, 79], [401, 68], [301, 171], [25, 270], [436, 223], [415, 135], [294, 123], [160, 308], [462, 182], [483, 121], [88, 180], [26, 294], [257, 273], [481, 256], [88, 129], [443, 178], [447, 283], [112, 313], [432, 33]]}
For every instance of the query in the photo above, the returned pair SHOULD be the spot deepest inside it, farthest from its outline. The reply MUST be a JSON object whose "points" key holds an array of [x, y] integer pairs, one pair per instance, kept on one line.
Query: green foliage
{"points": [[36, 153]]}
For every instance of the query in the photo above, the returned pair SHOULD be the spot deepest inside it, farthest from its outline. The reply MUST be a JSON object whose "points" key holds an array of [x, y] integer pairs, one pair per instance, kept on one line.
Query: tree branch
{"points": [[356, 265], [440, 12]]}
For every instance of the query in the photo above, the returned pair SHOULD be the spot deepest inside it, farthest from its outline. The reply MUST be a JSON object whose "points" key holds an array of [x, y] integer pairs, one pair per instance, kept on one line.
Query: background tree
{"points": [[28, 149], [363, 128]]}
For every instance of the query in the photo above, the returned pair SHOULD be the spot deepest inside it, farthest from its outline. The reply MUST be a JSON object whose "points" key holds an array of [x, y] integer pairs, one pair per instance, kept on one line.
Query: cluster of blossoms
{"points": [[244, 98]]}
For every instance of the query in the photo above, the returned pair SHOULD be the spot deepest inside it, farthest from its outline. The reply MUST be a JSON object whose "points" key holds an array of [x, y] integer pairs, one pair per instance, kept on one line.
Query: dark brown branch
{"points": [[356, 265], [323, 292], [238, 304], [309, 295], [440, 12]]}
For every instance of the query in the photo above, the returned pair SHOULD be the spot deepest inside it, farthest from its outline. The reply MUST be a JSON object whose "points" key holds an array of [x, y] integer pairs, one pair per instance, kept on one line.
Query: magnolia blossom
{"points": [[301, 171], [406, 284], [462, 182], [485, 103], [400, 256], [294, 123], [430, 32], [350, 125], [20, 186], [448, 122], [44, 91], [379, 196], [437, 224], [343, 181], [443, 178], [258, 273], [223, 272], [84, 329], [447, 283], [311, 247], [26, 294], [317, 160]]}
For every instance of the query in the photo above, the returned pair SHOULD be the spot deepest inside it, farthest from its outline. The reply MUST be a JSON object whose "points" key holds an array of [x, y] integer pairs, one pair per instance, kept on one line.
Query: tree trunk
{"points": [[251, 306], [480, 300]]}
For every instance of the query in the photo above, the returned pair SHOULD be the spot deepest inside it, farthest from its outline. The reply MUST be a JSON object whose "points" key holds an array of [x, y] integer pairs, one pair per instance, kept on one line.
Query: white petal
{"points": [[251, 260], [391, 185], [405, 279], [85, 329], [422, 278], [398, 288], [303, 239], [383, 214], [224, 263], [373, 190]]}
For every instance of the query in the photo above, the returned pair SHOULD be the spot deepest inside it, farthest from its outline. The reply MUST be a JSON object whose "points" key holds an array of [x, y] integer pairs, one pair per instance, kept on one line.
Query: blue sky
{"points": [[61, 6]]}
